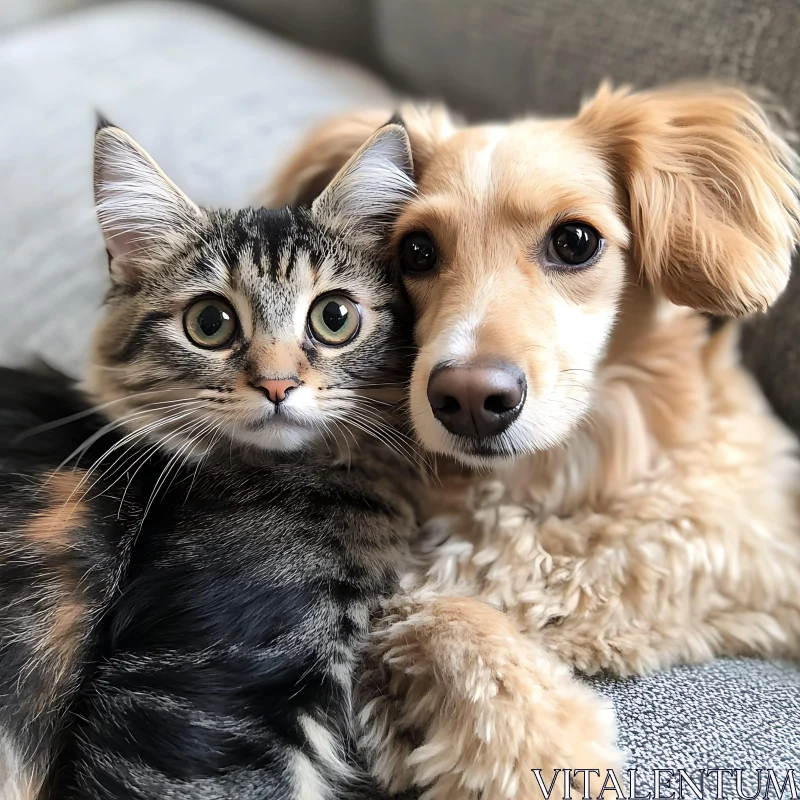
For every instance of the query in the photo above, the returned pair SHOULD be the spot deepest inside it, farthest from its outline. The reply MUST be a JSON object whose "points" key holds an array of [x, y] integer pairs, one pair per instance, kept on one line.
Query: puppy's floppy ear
{"points": [[369, 191], [330, 144], [711, 187]]}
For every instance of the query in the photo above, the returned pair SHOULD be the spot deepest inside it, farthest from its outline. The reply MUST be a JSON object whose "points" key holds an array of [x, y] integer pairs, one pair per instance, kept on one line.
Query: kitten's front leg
{"points": [[455, 700]]}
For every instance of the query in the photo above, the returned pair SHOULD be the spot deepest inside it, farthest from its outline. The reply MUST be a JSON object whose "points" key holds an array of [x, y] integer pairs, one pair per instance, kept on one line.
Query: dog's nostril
{"points": [[499, 403], [449, 405]]}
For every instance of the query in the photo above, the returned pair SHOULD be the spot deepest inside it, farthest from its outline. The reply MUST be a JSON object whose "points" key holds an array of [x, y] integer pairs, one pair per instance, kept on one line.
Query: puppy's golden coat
{"points": [[642, 510]]}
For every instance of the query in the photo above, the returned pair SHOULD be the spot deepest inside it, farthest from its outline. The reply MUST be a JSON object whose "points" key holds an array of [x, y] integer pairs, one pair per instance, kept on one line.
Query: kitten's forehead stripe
{"points": [[291, 260], [268, 239]]}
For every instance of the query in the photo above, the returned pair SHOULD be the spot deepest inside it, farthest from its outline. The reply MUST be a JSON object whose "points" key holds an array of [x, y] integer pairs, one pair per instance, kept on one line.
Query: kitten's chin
{"points": [[281, 436]]}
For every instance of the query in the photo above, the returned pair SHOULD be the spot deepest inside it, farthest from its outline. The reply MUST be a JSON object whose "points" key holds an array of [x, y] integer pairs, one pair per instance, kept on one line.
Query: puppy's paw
{"points": [[465, 707]]}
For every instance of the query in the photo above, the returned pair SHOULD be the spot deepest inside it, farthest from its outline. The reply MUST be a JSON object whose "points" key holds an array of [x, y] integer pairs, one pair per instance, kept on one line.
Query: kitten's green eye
{"points": [[210, 322], [334, 320]]}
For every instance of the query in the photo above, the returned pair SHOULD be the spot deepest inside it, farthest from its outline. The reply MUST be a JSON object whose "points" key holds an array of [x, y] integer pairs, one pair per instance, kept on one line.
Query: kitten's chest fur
{"points": [[285, 542]]}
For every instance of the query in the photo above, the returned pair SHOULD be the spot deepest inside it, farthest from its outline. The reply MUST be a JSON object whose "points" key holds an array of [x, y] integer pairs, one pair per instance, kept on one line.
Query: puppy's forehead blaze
{"points": [[527, 173]]}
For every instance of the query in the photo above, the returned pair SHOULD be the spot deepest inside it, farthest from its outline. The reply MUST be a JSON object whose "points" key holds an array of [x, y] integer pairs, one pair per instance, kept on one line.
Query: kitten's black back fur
{"points": [[44, 578]]}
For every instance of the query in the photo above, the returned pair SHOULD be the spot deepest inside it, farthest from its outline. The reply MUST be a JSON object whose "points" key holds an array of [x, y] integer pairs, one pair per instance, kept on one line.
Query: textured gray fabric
{"points": [[216, 102], [500, 57], [341, 26], [740, 713], [219, 104]]}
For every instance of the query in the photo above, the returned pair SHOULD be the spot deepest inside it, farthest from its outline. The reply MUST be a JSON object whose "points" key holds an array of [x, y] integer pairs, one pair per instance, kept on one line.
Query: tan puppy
{"points": [[641, 508]]}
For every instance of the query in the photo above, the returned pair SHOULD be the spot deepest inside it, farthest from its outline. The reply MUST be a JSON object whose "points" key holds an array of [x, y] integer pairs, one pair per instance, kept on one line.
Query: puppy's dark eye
{"points": [[573, 244], [418, 253]]}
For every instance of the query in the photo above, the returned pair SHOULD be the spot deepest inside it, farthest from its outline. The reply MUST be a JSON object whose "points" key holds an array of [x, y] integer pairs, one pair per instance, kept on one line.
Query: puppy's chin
{"points": [[481, 454]]}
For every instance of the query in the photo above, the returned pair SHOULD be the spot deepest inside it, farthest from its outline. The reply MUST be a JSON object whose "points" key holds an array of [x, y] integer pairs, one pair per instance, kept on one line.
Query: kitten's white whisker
{"points": [[404, 441], [376, 415], [183, 453], [376, 418], [215, 436], [377, 434], [119, 422], [143, 458], [345, 442], [86, 413], [130, 437], [117, 472], [165, 472]]}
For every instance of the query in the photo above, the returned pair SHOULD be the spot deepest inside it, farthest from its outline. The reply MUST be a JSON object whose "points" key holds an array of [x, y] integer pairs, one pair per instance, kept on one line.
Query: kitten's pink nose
{"points": [[276, 390]]}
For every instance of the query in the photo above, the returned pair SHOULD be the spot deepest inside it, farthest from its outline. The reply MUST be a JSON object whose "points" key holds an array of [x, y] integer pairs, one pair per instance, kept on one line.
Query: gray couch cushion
{"points": [[216, 102], [771, 349], [732, 713], [503, 57], [14, 13], [341, 26]]}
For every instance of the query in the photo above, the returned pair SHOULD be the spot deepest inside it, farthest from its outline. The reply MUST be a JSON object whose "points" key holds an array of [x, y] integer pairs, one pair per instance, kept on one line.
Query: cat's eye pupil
{"points": [[334, 315], [334, 320], [211, 319], [210, 323]]}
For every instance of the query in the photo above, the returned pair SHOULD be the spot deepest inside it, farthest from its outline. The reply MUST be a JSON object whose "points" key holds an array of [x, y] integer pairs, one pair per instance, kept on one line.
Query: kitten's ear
{"points": [[142, 213], [369, 191]]}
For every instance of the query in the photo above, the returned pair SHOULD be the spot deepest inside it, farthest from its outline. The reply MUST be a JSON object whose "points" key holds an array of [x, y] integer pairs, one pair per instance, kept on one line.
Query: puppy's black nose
{"points": [[477, 400]]}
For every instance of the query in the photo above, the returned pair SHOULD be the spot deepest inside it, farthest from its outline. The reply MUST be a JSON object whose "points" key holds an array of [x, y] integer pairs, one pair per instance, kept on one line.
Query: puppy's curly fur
{"points": [[642, 510]]}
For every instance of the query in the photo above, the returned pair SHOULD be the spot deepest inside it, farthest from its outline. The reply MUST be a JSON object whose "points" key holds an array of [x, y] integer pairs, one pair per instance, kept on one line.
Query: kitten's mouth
{"points": [[275, 430], [275, 420]]}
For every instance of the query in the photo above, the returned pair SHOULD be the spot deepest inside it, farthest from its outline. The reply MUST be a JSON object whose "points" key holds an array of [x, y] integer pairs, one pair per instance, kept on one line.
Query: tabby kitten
{"points": [[188, 567]]}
